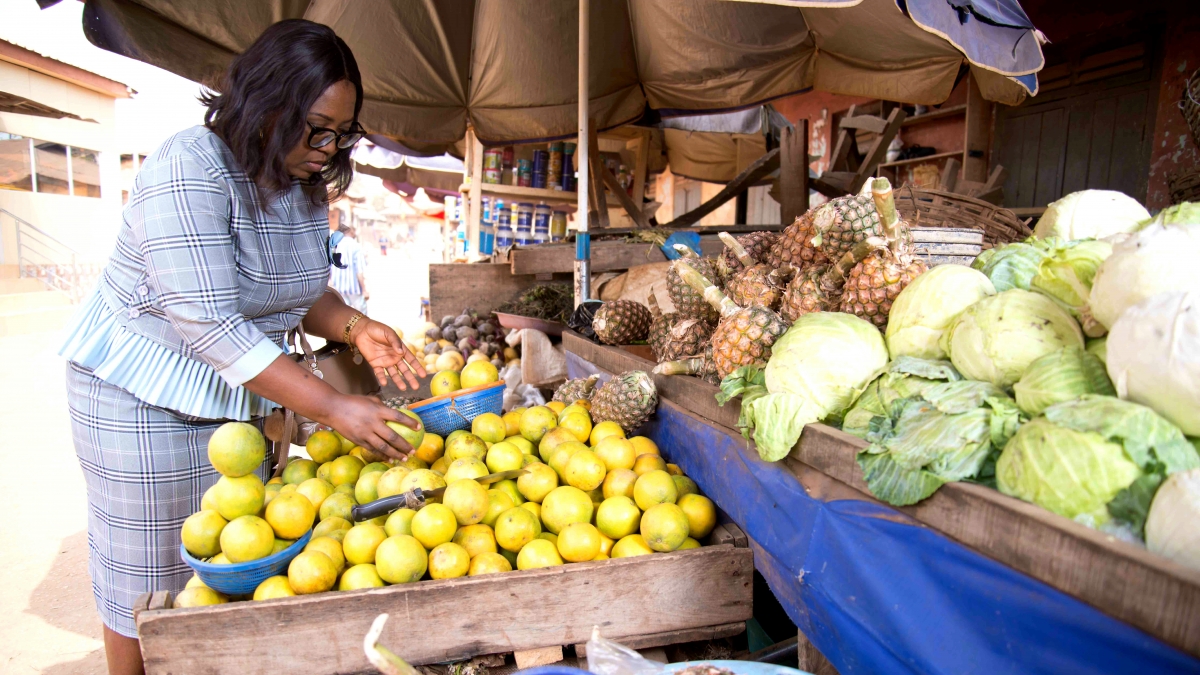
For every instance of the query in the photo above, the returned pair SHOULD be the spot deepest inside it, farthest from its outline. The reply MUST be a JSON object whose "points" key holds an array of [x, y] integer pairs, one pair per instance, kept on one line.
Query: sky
{"points": [[164, 103]]}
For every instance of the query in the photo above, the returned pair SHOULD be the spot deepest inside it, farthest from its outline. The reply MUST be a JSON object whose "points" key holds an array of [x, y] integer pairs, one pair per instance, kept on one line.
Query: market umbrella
{"points": [[509, 68], [443, 174]]}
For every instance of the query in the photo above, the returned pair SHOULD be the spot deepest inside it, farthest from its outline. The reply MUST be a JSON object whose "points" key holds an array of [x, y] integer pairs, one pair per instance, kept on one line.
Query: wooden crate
{"points": [[1127, 582], [669, 598]]}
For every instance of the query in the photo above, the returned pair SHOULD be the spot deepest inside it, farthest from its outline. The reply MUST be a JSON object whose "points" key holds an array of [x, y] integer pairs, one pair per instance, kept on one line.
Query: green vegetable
{"points": [[1086, 459], [947, 433], [1091, 214], [1183, 213], [817, 369], [1059, 376], [1012, 265], [1173, 524], [997, 338], [1159, 259], [1098, 347], [905, 377], [926, 307]]}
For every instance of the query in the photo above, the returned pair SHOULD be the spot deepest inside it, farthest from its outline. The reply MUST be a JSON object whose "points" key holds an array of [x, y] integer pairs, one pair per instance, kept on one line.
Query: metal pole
{"points": [[32, 165], [583, 242]]}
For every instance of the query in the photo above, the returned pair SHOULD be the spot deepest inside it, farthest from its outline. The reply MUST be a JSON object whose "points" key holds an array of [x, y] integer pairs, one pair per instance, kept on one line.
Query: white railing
{"points": [[41, 256]]}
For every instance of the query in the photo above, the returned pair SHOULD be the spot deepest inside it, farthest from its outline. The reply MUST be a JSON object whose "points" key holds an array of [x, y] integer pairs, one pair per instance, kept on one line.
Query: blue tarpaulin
{"points": [[879, 594]]}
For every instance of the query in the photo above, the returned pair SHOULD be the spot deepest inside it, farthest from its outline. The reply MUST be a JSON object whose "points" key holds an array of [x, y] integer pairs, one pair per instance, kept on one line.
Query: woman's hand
{"points": [[364, 420], [382, 348]]}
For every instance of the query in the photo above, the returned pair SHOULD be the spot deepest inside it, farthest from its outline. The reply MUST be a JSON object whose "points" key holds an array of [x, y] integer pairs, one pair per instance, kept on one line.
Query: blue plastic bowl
{"points": [[456, 410], [739, 667], [243, 578]]}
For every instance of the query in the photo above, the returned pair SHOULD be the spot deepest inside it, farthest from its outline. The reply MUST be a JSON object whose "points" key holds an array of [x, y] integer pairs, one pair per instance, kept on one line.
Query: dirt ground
{"points": [[49, 620]]}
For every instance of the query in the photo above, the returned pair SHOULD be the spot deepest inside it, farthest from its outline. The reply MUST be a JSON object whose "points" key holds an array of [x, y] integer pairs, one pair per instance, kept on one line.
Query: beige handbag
{"points": [[336, 363]]}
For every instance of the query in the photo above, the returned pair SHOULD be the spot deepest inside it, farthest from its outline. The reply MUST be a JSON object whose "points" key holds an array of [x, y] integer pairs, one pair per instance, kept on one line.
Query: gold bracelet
{"points": [[350, 326]]}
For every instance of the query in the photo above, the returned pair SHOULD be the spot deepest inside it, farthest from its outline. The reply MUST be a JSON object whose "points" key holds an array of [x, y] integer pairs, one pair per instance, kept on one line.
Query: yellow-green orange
{"points": [[467, 499], [537, 482], [646, 463], [274, 587], [291, 515], [330, 547], [616, 453], [478, 373], [522, 443], [366, 490], [654, 487], [401, 560], [534, 508], [444, 382], [579, 424], [644, 445], [360, 576], [488, 563], [399, 522], [202, 533], [360, 543], [619, 483], [389, 483], [331, 526], [563, 454], [345, 470], [467, 467], [422, 478], [503, 457], [688, 543], [435, 524], [323, 470], [414, 462], [298, 471], [337, 505], [412, 436], [201, 596], [538, 553], [236, 449], [579, 542], [316, 490], [630, 546], [584, 470], [685, 486], [573, 409], [515, 528], [281, 545], [489, 427], [701, 514], [498, 502], [431, 448], [240, 496], [323, 446], [311, 572], [208, 502], [509, 487], [536, 421], [476, 539], [664, 526], [550, 442], [247, 538], [448, 560], [465, 445], [618, 517], [565, 505], [605, 429]]}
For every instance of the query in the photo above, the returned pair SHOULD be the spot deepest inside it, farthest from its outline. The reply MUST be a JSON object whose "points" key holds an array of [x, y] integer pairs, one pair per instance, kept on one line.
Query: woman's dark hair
{"points": [[260, 106]]}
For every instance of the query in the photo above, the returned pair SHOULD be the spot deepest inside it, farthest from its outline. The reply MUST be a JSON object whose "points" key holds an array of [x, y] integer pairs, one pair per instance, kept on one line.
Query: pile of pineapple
{"points": [[852, 254]]}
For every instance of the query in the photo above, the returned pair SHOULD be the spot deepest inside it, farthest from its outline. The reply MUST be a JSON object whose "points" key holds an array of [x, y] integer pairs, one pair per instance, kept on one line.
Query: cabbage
{"points": [[947, 433], [1091, 214], [1093, 459], [1173, 526], [1098, 347], [1154, 357], [1012, 265], [905, 377], [1059, 376], [1159, 259], [926, 307], [997, 338], [1184, 213], [817, 369]]}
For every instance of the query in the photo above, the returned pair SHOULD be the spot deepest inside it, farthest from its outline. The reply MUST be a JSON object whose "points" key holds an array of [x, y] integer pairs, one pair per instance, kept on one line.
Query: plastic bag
{"points": [[517, 394], [605, 657], [581, 319]]}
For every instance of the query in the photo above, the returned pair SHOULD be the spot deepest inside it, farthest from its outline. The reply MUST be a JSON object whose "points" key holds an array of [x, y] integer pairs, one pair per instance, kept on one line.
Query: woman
{"points": [[223, 250]]}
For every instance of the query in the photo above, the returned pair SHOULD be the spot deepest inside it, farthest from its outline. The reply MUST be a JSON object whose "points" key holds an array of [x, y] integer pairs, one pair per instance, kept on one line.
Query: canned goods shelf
{"points": [[529, 193]]}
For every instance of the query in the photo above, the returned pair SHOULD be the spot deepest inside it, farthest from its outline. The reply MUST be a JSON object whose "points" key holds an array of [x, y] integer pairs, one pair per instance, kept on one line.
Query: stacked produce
{"points": [[463, 339], [590, 491]]}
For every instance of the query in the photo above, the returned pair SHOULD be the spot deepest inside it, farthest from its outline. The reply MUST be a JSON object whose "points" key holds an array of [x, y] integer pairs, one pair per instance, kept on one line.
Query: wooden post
{"points": [[475, 212], [793, 172], [975, 142], [595, 177], [640, 162], [760, 169], [583, 239], [811, 659]]}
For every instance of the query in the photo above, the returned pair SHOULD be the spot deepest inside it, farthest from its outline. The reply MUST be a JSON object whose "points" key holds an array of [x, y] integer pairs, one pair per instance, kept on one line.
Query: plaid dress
{"points": [[196, 299]]}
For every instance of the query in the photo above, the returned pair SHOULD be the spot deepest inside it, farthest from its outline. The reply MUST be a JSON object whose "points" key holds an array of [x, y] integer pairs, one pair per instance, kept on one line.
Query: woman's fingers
{"points": [[413, 362]]}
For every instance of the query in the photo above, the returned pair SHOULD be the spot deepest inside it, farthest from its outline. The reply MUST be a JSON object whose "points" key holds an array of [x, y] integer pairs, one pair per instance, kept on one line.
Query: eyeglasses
{"points": [[320, 137]]}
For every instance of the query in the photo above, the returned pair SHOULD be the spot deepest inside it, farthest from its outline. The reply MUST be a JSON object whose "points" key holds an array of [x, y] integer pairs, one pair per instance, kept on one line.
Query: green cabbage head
{"points": [[997, 338], [1062, 375], [925, 308], [1091, 214], [817, 369]]}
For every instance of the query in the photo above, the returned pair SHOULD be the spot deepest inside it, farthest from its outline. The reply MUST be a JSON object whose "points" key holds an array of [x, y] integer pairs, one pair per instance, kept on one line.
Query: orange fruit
{"points": [[618, 517], [616, 453], [465, 468], [685, 486], [337, 505], [647, 463], [236, 449], [538, 553], [550, 442], [331, 548], [360, 576], [324, 446], [701, 514], [448, 560], [290, 516], [579, 542], [360, 542], [467, 499], [433, 525], [498, 502], [202, 533], [644, 446], [401, 559], [247, 538], [431, 449], [389, 483], [489, 427], [536, 421], [537, 482], [465, 445], [274, 587], [630, 546], [345, 470], [200, 596], [664, 526], [565, 505], [298, 471], [503, 457], [619, 482], [311, 572], [579, 424], [512, 422], [489, 563], [515, 528], [654, 487], [399, 522], [476, 539], [584, 470], [605, 429], [239, 496]]}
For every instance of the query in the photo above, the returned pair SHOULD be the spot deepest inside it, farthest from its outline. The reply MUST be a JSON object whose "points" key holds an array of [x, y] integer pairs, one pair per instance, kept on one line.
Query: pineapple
{"points": [[620, 322], [819, 288], [574, 390], [756, 283], [689, 302], [843, 222], [873, 284], [701, 366], [673, 337], [758, 246], [627, 399], [745, 334], [795, 247]]}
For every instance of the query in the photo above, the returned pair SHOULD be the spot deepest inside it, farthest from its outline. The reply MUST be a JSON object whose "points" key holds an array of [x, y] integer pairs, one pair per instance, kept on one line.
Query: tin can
{"points": [[504, 230], [507, 157], [541, 223], [491, 176], [487, 237], [558, 226], [568, 170], [524, 173], [541, 164], [493, 158], [555, 167], [524, 229]]}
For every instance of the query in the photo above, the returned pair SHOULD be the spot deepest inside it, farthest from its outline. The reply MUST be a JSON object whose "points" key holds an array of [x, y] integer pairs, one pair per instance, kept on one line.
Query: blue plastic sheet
{"points": [[879, 594]]}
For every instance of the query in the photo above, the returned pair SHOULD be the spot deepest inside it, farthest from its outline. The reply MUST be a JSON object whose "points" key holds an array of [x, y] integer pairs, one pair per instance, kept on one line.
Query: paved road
{"points": [[49, 624]]}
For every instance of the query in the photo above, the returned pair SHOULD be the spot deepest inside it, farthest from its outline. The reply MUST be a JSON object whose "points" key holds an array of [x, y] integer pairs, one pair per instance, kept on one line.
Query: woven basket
{"points": [[1189, 105], [1184, 186], [934, 208]]}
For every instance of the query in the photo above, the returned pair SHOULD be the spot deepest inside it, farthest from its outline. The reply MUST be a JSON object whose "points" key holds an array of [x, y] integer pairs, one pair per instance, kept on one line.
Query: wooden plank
{"points": [[623, 197], [844, 147], [160, 600], [475, 210], [950, 174], [793, 172], [640, 161], [761, 167], [481, 286], [675, 637], [597, 202], [1128, 172], [811, 659], [926, 158], [543, 656], [606, 256], [488, 614], [525, 193], [1124, 581], [878, 150], [948, 111], [864, 123], [1104, 120], [976, 133], [1029, 139], [1079, 142], [1051, 156]]}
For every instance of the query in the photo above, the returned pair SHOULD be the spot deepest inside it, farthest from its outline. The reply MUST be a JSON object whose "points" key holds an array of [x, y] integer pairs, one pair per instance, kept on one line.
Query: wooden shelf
{"points": [[529, 193], [918, 160], [949, 111]]}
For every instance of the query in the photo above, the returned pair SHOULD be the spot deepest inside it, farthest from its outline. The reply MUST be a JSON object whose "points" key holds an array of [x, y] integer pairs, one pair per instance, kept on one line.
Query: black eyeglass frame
{"points": [[356, 131]]}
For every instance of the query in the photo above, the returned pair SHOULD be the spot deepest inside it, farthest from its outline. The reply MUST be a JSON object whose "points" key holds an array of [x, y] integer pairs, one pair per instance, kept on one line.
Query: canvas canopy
{"points": [[443, 174], [508, 68]]}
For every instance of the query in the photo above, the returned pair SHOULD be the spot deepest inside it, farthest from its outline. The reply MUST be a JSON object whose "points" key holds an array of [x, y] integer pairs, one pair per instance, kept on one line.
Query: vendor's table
{"points": [[970, 581]]}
